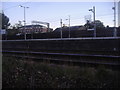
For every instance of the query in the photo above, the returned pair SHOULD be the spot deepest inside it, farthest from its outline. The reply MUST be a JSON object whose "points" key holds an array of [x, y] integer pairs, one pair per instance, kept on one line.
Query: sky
{"points": [[52, 12]]}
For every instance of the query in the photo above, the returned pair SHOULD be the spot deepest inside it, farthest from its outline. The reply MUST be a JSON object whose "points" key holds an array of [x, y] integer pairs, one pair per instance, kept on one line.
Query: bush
{"points": [[21, 73]]}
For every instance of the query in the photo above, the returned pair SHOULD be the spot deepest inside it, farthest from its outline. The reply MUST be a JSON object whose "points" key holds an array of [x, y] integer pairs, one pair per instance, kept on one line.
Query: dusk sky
{"points": [[52, 12]]}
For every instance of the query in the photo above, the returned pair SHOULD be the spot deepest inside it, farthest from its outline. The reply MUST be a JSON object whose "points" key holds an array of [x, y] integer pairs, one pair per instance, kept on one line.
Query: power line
{"points": [[15, 6], [81, 18]]}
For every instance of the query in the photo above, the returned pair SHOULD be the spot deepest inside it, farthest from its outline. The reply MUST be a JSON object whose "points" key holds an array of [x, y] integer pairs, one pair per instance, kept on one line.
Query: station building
{"points": [[28, 29]]}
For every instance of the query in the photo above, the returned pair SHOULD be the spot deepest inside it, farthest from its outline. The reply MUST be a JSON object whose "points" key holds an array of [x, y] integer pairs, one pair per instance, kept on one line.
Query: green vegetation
{"points": [[4, 21], [21, 73]]}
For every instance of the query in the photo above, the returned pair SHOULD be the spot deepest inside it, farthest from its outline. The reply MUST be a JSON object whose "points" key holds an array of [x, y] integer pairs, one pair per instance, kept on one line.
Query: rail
{"points": [[70, 57], [84, 38]]}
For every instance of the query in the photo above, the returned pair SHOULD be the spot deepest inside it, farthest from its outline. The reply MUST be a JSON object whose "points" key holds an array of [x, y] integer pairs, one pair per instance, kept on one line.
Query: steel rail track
{"points": [[68, 54], [92, 52], [54, 39], [67, 57]]}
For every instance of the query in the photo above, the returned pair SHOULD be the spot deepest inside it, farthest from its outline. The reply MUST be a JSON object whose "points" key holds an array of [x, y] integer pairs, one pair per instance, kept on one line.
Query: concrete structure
{"points": [[118, 13], [33, 29]]}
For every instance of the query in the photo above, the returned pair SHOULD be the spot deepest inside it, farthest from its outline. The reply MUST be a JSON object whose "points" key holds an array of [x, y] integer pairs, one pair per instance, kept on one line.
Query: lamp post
{"points": [[61, 28], [69, 26], [93, 10], [115, 31], [24, 19], [6, 31]]}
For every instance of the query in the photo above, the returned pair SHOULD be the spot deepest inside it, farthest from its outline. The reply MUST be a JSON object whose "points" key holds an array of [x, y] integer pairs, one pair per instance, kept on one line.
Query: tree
{"points": [[17, 25], [5, 21], [13, 31], [90, 25], [99, 24]]}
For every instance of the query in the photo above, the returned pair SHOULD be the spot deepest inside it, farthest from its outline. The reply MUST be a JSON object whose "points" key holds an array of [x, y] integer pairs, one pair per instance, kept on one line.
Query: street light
{"points": [[24, 19], [93, 10], [69, 26], [115, 31], [61, 28]]}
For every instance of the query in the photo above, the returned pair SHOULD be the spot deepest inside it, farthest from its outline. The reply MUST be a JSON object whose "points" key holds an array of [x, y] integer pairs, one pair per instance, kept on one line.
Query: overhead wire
{"points": [[53, 21], [15, 6]]}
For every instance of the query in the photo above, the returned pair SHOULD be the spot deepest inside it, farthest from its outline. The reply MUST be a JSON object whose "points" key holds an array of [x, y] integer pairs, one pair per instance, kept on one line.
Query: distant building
{"points": [[33, 29], [119, 13]]}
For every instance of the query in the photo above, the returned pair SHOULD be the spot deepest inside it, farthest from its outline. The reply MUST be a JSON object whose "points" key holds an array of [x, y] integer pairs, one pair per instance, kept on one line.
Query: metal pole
{"points": [[24, 23], [69, 26], [24, 20], [94, 21], [115, 31], [48, 25], [6, 31], [61, 27]]}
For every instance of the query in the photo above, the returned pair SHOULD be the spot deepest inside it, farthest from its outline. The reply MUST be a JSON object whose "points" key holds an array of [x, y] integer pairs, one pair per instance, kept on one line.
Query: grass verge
{"points": [[21, 73]]}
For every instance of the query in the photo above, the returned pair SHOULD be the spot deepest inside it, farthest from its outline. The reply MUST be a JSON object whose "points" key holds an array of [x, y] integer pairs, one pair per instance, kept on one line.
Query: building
{"points": [[29, 29], [118, 13]]}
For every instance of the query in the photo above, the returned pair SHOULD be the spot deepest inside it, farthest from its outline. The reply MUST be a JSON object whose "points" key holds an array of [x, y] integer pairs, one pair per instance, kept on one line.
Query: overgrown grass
{"points": [[20, 73]]}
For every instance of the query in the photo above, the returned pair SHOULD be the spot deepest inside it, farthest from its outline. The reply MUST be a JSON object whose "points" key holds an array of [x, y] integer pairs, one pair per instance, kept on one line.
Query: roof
{"points": [[32, 26]]}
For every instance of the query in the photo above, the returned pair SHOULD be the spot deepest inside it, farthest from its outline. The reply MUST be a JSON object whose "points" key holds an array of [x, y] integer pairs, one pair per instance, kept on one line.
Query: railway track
{"points": [[67, 57]]}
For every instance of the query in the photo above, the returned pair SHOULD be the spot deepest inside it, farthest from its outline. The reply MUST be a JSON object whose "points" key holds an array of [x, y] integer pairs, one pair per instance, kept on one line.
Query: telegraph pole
{"points": [[69, 26], [93, 10], [115, 31], [24, 19], [94, 22], [61, 28], [24, 23]]}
